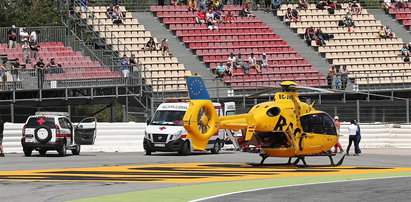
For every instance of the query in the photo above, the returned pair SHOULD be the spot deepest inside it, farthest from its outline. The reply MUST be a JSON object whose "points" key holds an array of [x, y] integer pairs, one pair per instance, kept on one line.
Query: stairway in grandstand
{"points": [[164, 73], [75, 65], [295, 41], [373, 62], [247, 35]]}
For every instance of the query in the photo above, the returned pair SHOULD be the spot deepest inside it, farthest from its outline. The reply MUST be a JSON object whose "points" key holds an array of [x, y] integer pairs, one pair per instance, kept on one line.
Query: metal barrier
{"points": [[128, 137]]}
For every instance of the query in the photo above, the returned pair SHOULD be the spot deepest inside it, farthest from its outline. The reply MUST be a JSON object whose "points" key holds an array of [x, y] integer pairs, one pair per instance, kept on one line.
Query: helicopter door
{"points": [[85, 132], [313, 127]]}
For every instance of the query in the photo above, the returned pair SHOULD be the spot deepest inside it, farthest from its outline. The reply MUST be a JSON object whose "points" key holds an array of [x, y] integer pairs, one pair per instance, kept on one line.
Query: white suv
{"points": [[54, 131]]}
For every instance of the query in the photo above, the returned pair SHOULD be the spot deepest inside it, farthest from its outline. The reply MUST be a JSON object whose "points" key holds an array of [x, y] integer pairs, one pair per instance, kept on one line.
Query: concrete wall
{"points": [[128, 137]]}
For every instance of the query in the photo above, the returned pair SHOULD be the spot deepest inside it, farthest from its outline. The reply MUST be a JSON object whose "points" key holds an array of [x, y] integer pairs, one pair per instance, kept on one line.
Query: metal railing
{"points": [[47, 34]]}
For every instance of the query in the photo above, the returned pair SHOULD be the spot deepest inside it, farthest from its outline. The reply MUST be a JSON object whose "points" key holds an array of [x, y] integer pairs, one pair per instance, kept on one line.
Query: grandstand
{"points": [[373, 62], [403, 15], [246, 35], [163, 73], [90, 45]]}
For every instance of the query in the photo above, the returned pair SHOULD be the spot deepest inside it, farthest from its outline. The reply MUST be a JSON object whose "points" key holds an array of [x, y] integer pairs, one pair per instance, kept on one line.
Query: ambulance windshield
{"points": [[167, 117]]}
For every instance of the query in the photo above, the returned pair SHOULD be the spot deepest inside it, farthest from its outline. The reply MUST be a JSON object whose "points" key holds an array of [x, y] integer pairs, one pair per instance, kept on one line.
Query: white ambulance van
{"points": [[165, 131]]}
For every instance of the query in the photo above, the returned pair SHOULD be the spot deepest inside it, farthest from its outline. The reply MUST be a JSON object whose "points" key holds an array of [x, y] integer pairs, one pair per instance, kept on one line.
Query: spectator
{"points": [[275, 4], [202, 5], [211, 24], [164, 47], [400, 4], [229, 18], [232, 59], [24, 35], [239, 62], [83, 4], [15, 71], [381, 33], [355, 8], [302, 4], [217, 5], [133, 63], [338, 79], [246, 10], [110, 13], [192, 5], [352, 132], [26, 52], [309, 35], [200, 17], [229, 69], [405, 51], [338, 126], [321, 5], [348, 21], [220, 70], [34, 48], [246, 66], [389, 32], [291, 15], [330, 76], [344, 77], [33, 35], [173, 2], [386, 5], [125, 69], [41, 70], [12, 33], [319, 35], [119, 13], [1, 137], [210, 14], [151, 45], [3, 74], [264, 60], [54, 67], [217, 17], [253, 63]]}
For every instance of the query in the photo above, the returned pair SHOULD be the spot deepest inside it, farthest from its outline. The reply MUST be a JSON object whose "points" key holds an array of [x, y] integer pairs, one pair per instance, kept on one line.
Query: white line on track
{"points": [[294, 185]]}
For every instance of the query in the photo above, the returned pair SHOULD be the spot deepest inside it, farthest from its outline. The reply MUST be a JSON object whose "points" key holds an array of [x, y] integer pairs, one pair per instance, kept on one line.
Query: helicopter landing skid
{"points": [[302, 159]]}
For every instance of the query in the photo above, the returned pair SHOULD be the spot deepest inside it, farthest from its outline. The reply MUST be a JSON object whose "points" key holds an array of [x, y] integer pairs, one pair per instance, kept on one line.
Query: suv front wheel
{"points": [[63, 150], [76, 151]]}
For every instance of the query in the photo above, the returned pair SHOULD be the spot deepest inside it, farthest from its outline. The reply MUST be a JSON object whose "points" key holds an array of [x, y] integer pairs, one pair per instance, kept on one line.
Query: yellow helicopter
{"points": [[285, 127]]}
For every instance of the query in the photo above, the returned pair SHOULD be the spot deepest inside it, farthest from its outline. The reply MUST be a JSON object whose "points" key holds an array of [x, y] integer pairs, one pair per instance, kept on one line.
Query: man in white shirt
{"points": [[24, 35], [33, 35], [352, 132]]}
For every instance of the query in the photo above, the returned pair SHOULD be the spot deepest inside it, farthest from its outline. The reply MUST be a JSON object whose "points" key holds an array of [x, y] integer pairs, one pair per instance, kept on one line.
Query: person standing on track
{"points": [[358, 138], [338, 145], [1, 137], [352, 132]]}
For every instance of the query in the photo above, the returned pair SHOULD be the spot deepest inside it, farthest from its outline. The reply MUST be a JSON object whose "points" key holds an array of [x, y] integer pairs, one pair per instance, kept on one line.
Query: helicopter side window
{"points": [[329, 127], [318, 123]]}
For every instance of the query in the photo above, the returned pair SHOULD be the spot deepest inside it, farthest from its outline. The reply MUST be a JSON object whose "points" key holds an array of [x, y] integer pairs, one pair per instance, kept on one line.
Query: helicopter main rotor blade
{"points": [[313, 89], [279, 88], [269, 89]]}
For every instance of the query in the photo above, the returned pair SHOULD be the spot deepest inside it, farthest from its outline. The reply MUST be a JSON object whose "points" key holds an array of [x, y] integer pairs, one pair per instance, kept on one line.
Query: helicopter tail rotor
{"points": [[200, 120]]}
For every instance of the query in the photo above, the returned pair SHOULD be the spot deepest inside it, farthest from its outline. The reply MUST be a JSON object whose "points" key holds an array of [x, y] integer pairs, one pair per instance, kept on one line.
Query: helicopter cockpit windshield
{"points": [[320, 123]]}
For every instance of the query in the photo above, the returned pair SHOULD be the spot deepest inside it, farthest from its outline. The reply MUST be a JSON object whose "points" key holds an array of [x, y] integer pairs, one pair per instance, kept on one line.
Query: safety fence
{"points": [[128, 137]]}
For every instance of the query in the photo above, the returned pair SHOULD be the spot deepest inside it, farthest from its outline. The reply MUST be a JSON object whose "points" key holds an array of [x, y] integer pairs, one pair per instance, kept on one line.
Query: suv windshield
{"points": [[166, 117], [43, 121]]}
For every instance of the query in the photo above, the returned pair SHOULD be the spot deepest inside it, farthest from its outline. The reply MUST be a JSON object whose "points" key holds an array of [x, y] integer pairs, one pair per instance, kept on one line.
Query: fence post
{"points": [[358, 110], [12, 112], [407, 103]]}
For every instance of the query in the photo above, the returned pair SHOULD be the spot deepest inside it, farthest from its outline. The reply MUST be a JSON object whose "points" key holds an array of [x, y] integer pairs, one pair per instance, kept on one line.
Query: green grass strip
{"points": [[192, 192]]}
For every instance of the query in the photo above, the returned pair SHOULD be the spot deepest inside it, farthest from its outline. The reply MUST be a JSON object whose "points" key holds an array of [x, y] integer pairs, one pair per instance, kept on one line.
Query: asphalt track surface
{"points": [[376, 175]]}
